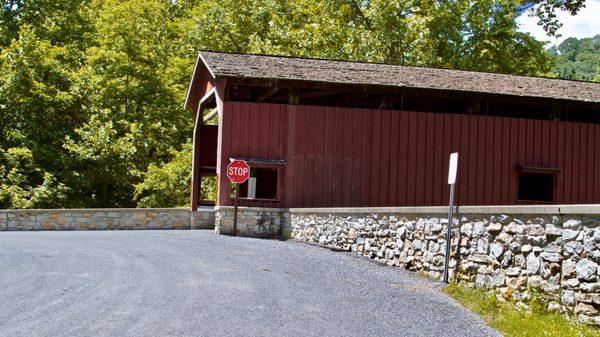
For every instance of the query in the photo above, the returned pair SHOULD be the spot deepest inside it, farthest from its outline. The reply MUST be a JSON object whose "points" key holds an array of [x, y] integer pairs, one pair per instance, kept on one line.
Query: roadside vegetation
{"points": [[512, 321]]}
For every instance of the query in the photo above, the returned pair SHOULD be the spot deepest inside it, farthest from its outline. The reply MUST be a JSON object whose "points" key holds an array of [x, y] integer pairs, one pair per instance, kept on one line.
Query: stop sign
{"points": [[238, 171]]}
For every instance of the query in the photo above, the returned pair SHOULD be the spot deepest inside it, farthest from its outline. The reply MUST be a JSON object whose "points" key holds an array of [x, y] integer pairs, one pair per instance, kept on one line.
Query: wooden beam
{"points": [[210, 115], [266, 95], [293, 95]]}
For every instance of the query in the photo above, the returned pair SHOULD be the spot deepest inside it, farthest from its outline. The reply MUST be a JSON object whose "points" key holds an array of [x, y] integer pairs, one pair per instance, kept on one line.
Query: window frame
{"points": [[523, 168], [275, 164]]}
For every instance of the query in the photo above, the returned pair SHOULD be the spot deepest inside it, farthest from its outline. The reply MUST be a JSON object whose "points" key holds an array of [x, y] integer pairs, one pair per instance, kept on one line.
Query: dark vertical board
{"points": [[582, 163], [560, 162], [504, 170], [530, 156], [568, 155], [308, 147], [438, 159], [238, 135], [464, 171], [446, 141], [234, 137], [490, 156], [575, 141], [346, 171], [308, 140], [367, 158], [546, 143], [590, 164], [300, 155], [340, 143], [553, 148], [329, 152], [537, 144], [403, 151], [471, 183], [514, 158], [290, 155], [376, 158], [384, 175], [357, 177], [428, 164], [421, 139], [411, 186], [279, 142], [494, 161], [394, 140], [255, 129], [482, 144], [320, 167], [522, 154]]}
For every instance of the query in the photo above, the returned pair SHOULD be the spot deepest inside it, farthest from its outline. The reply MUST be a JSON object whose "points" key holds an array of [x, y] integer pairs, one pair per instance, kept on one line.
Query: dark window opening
{"points": [[581, 115], [423, 103], [536, 186], [265, 180], [519, 110], [417, 100]]}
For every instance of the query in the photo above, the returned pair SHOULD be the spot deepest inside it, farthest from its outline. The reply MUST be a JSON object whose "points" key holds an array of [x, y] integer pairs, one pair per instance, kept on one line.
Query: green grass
{"points": [[511, 321]]}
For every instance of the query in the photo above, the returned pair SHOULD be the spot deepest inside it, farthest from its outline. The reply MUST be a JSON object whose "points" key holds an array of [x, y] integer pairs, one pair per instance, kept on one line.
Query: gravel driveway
{"points": [[195, 283]]}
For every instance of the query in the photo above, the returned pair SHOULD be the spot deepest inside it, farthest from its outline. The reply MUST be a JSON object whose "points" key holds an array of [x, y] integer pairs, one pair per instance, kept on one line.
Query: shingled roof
{"points": [[343, 72]]}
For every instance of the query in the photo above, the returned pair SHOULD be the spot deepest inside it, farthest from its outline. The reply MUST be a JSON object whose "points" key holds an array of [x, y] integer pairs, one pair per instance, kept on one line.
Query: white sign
{"points": [[251, 187], [452, 168]]}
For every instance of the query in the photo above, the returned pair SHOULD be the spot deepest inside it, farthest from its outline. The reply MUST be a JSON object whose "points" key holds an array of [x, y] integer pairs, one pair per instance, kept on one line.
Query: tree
{"points": [[546, 12], [137, 80], [466, 34], [23, 185], [167, 184], [577, 59]]}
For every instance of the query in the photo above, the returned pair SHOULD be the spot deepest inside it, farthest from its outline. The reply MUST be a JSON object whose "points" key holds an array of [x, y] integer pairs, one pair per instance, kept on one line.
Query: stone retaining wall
{"points": [[252, 221], [105, 219], [551, 252]]}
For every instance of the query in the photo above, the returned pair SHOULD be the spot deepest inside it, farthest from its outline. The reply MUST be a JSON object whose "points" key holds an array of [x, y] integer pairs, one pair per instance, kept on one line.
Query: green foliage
{"points": [[102, 162], [512, 321], [466, 34], [167, 184], [578, 59], [546, 13], [22, 185], [93, 89]]}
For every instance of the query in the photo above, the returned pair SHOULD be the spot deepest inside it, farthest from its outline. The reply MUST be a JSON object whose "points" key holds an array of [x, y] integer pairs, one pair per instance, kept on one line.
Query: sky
{"points": [[585, 24]]}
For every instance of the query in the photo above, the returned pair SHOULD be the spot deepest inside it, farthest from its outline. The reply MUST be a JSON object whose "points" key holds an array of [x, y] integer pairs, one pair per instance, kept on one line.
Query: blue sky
{"points": [[585, 24]]}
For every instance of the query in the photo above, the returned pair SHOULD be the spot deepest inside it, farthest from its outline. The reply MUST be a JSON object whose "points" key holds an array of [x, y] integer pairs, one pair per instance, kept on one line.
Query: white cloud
{"points": [[585, 24]]}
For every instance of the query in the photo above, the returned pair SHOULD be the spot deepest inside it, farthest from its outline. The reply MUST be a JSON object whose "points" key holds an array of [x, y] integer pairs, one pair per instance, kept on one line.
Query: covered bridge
{"points": [[321, 133]]}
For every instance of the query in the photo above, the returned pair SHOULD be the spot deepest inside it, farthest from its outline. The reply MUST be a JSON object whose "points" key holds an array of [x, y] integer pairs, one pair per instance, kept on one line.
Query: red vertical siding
{"points": [[339, 157]]}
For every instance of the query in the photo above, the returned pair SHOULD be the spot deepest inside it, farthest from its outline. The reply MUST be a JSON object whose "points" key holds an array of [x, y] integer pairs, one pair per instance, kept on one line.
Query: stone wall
{"points": [[252, 221], [548, 252], [105, 219], [203, 218]]}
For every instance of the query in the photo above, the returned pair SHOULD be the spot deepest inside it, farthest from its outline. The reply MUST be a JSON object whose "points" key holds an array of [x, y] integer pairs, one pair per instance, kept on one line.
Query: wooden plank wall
{"points": [[251, 131], [343, 157]]}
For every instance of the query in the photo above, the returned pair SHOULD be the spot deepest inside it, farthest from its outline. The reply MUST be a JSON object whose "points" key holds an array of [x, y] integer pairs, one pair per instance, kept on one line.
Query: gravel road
{"points": [[195, 283]]}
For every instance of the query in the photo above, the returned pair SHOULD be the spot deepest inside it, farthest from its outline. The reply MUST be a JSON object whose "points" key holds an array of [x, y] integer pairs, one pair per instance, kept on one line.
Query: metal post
{"points": [[449, 234], [235, 209]]}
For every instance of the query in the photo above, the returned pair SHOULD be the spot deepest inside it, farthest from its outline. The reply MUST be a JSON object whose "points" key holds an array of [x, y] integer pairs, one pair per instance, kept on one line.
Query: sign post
{"points": [[451, 181], [238, 172]]}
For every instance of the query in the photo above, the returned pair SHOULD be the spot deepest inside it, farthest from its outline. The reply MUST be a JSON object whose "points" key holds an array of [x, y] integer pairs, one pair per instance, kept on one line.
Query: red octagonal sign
{"points": [[238, 171]]}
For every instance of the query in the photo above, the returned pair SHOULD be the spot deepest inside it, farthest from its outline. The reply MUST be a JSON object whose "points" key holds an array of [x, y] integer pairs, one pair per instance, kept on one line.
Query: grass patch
{"points": [[511, 321]]}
